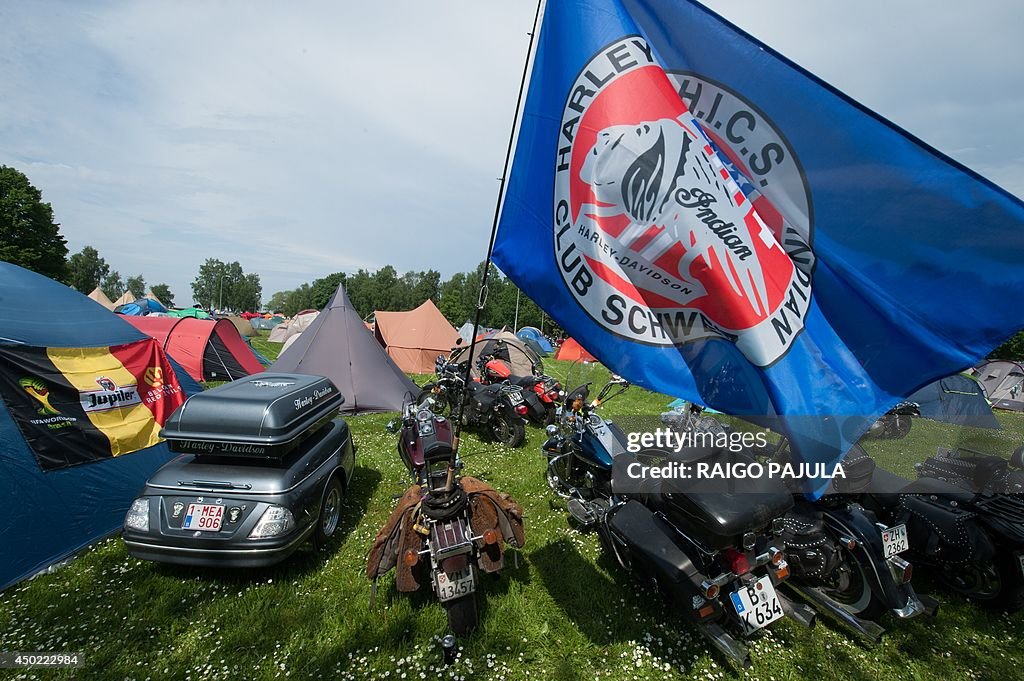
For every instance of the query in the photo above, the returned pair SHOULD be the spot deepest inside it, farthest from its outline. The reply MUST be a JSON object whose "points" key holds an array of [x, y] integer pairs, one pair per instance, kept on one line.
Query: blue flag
{"points": [[713, 222]]}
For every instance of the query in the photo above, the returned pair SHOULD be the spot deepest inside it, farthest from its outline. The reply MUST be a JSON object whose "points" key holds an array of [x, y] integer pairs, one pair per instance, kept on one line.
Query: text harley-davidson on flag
{"points": [[76, 405], [713, 222]]}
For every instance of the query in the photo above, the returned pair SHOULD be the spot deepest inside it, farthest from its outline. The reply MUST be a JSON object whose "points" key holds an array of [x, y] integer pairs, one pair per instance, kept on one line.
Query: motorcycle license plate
{"points": [[757, 604], [895, 541], [452, 585], [515, 397]]}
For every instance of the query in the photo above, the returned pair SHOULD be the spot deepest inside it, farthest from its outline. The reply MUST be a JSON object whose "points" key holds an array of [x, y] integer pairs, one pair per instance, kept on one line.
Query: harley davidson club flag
{"points": [[76, 405], [713, 222]]}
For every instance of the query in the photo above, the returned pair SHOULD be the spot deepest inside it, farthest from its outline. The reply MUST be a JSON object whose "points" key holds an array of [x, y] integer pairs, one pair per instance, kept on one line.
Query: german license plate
{"points": [[452, 585], [757, 604], [894, 540], [203, 517]]}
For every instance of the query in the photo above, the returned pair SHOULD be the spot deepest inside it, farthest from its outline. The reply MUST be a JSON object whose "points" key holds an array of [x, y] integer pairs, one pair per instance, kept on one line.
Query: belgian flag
{"points": [[77, 405]]}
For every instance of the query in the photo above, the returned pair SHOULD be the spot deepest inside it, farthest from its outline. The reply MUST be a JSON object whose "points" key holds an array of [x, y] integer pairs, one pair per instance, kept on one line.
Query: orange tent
{"points": [[414, 338], [571, 350]]}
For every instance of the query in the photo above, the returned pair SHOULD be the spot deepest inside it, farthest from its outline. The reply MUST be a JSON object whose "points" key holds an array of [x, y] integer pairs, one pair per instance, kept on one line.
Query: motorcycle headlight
{"points": [[138, 515], [276, 520]]}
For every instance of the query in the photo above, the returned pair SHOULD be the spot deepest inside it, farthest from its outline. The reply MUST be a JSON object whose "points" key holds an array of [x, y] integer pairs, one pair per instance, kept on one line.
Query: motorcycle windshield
{"points": [[584, 379]]}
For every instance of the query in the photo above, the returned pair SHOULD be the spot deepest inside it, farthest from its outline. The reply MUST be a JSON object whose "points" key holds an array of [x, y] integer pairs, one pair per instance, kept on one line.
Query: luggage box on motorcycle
{"points": [[262, 416]]}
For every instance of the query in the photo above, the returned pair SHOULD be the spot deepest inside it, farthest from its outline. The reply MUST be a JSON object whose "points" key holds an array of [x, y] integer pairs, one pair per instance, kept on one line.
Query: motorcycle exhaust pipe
{"points": [[726, 644], [804, 614], [918, 604], [871, 631]]}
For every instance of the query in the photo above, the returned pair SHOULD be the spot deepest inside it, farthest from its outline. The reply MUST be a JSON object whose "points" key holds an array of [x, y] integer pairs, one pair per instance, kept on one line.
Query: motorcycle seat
{"points": [[941, 488], [885, 483]]}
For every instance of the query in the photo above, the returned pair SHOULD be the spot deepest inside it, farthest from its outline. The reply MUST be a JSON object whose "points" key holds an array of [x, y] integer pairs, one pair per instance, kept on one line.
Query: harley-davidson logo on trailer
{"points": [[672, 226]]}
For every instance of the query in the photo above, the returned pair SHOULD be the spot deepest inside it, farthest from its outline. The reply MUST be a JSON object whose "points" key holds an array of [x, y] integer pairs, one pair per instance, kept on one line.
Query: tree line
{"points": [[456, 297]]}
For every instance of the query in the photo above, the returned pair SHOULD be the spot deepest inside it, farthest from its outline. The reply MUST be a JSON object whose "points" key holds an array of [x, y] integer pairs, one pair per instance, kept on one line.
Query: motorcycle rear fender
{"points": [[854, 522]]}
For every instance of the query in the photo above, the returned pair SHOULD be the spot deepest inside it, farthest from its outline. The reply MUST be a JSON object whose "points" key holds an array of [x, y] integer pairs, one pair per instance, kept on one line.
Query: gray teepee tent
{"points": [[336, 345]]}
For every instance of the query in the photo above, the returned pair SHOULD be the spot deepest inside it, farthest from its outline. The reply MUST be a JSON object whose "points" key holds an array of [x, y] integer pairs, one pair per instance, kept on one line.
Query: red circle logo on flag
{"points": [[680, 211]]}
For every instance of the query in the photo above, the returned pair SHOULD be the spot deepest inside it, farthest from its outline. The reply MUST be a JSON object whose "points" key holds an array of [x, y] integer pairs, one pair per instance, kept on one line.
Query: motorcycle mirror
{"points": [[551, 430], [393, 425]]}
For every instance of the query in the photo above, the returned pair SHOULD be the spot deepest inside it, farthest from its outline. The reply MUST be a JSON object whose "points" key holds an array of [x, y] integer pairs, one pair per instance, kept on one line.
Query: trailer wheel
{"points": [[330, 513]]}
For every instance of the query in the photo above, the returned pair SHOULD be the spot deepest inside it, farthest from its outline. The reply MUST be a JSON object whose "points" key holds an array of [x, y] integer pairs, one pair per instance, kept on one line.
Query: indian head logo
{"points": [[680, 211]]}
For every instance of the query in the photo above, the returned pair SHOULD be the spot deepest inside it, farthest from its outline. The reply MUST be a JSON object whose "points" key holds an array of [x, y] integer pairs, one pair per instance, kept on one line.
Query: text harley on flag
{"points": [[714, 222]]}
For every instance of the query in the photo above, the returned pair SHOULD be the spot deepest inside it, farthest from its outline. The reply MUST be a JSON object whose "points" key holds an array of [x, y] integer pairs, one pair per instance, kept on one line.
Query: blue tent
{"points": [[534, 334], [51, 514], [955, 399], [140, 308]]}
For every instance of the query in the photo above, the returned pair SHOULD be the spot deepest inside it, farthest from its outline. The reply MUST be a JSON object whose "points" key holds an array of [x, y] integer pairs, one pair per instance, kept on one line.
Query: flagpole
{"points": [[482, 296], [515, 324]]}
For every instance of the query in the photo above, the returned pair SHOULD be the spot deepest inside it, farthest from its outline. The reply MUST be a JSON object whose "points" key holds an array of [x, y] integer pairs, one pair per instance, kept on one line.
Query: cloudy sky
{"points": [[306, 138]]}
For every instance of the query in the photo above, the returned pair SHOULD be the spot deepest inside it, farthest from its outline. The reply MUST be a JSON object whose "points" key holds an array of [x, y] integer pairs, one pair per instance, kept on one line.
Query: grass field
{"points": [[566, 612]]}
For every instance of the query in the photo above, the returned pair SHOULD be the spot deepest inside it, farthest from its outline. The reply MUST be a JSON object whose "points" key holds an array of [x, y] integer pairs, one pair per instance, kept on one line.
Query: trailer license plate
{"points": [[757, 604], [203, 517], [452, 585], [894, 540]]}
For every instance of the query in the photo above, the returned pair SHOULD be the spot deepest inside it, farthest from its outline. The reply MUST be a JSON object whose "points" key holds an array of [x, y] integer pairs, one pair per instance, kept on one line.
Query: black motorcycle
{"points": [[497, 408], [718, 555], [965, 520], [896, 423], [842, 559], [847, 559]]}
